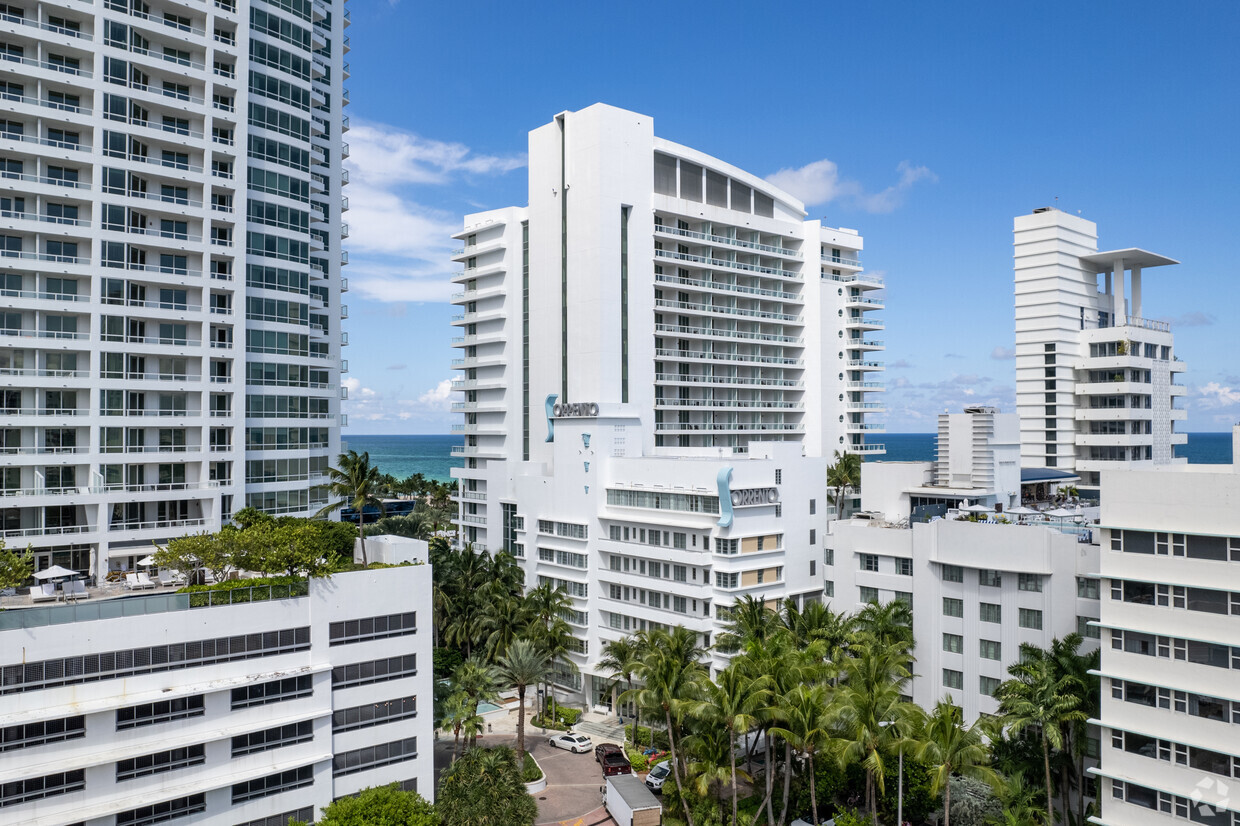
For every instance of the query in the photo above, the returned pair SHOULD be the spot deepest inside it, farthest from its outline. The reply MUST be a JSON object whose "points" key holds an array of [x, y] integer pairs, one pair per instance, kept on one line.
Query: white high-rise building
{"points": [[186, 708], [1170, 621], [1094, 378], [170, 229], [657, 339]]}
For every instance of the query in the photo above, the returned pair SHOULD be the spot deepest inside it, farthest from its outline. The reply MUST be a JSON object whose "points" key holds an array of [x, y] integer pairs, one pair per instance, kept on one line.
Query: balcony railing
{"points": [[720, 239], [719, 262]]}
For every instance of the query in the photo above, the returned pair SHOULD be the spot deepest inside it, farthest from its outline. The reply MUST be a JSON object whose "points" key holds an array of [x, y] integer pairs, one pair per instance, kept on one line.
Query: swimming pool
{"points": [[486, 708]]}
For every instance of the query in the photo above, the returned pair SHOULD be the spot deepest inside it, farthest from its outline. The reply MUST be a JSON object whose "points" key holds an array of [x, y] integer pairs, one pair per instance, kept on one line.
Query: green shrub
{"points": [[237, 591], [849, 817], [531, 772], [540, 721], [643, 736], [636, 759], [565, 717]]}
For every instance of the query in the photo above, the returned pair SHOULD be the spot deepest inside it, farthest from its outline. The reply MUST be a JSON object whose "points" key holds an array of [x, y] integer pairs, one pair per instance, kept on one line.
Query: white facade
{"points": [[1094, 378], [145, 709], [685, 318], [1170, 567], [170, 219], [978, 591]]}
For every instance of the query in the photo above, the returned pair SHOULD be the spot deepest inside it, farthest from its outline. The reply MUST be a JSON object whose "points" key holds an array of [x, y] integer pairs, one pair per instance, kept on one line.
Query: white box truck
{"points": [[630, 803]]}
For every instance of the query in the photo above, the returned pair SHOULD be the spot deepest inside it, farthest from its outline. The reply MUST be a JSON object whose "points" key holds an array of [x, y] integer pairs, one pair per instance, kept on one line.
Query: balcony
{"points": [[715, 332], [709, 355], [841, 260], [777, 272], [725, 286], [731, 242]]}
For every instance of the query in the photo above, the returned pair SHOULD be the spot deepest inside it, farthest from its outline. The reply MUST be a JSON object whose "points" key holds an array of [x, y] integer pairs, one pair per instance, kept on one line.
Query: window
{"points": [[160, 762], [37, 788], [163, 711], [303, 815], [1086, 587], [1084, 628], [828, 588], [953, 643], [989, 650], [987, 685], [989, 612], [384, 754], [953, 607], [868, 594], [1031, 618], [989, 578], [953, 679], [1030, 582], [151, 659], [726, 580], [868, 562], [904, 567], [374, 671], [160, 812], [273, 738], [813, 536], [953, 573], [271, 784], [45, 731]]}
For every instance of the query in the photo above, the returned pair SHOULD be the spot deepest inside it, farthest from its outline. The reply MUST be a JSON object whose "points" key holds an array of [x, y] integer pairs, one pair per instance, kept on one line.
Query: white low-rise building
{"points": [[1170, 567], [152, 708], [978, 589]]}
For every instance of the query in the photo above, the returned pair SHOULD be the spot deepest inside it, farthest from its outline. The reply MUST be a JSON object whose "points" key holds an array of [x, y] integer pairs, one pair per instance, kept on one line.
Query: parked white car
{"points": [[658, 775], [576, 743]]}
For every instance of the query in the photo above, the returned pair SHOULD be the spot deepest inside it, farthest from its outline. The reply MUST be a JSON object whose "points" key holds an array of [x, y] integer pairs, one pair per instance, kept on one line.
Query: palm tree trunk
{"points": [[769, 771], [456, 741], [361, 534], [947, 802], [1080, 789], [521, 728], [1046, 762], [1063, 785], [732, 755], [671, 743], [783, 811], [813, 788]]}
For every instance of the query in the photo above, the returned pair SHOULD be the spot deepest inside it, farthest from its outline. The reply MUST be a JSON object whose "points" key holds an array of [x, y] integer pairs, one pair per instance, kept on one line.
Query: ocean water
{"points": [[401, 456], [431, 455]]}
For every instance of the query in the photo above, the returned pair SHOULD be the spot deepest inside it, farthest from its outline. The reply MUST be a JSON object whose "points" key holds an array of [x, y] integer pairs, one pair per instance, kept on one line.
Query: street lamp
{"points": [[899, 776]]}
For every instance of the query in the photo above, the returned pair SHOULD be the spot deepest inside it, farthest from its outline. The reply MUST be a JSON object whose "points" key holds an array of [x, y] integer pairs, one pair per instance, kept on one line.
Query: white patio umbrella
{"points": [[1061, 513], [978, 508], [146, 561], [55, 572], [1020, 510]]}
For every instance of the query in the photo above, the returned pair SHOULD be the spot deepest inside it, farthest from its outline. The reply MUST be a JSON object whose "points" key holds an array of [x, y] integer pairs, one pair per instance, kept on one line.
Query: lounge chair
{"points": [[44, 593], [131, 582], [144, 580], [75, 589], [170, 577]]}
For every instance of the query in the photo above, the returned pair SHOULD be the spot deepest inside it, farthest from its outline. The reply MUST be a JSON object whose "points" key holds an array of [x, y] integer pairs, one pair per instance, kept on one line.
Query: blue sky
{"points": [[926, 126]]}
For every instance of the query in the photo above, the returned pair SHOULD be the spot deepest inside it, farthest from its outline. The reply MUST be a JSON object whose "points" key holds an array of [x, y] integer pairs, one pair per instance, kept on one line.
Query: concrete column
{"points": [[1117, 296], [1136, 292]]}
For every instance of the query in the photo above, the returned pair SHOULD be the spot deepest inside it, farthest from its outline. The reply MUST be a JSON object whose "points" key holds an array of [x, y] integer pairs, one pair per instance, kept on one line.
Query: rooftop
{"points": [[1132, 257]]}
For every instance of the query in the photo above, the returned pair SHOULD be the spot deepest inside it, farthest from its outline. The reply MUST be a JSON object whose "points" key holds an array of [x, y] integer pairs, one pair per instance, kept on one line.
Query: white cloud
{"points": [[820, 183], [1194, 318], [1214, 395], [400, 247], [900, 364], [1001, 353], [438, 397]]}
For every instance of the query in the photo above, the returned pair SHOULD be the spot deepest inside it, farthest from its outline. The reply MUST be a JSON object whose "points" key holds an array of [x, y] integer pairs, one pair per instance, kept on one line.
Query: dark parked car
{"points": [[611, 758]]}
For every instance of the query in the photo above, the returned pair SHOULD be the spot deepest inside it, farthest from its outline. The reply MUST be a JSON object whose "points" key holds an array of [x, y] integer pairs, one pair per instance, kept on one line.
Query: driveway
{"points": [[574, 793]]}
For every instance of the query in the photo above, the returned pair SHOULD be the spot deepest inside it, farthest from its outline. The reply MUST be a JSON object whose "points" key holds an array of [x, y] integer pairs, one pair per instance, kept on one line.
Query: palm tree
{"points": [[868, 710], [557, 641], [357, 483], [460, 715], [1037, 697], [505, 617], [843, 477], [549, 606], [712, 749], [1067, 660], [1019, 801], [949, 747], [805, 728], [522, 665], [622, 658], [731, 705], [672, 672], [749, 620], [479, 681], [886, 625]]}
